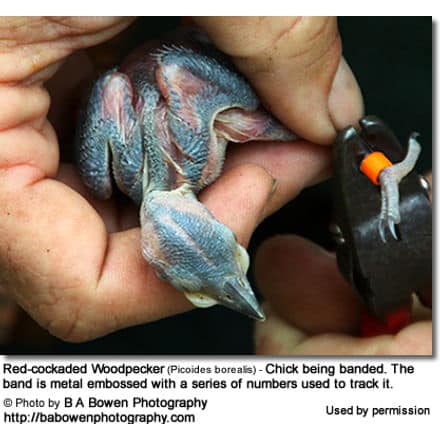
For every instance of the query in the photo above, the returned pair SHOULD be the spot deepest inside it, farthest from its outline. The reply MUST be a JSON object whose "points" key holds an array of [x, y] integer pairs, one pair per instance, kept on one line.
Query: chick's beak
{"points": [[240, 298]]}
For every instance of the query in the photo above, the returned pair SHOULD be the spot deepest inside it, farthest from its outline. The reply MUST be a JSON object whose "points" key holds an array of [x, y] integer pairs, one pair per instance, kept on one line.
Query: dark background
{"points": [[392, 60]]}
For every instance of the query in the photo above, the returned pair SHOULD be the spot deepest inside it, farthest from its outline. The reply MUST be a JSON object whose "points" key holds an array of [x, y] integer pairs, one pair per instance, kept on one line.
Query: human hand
{"points": [[311, 309], [70, 261]]}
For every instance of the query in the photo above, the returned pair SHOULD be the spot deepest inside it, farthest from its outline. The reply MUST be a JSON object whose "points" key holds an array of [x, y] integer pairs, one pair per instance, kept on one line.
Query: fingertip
{"points": [[308, 115], [318, 105], [345, 102]]}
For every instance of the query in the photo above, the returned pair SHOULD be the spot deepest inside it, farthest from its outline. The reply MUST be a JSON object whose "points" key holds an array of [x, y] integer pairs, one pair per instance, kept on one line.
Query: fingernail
{"points": [[274, 187], [345, 101], [271, 193]]}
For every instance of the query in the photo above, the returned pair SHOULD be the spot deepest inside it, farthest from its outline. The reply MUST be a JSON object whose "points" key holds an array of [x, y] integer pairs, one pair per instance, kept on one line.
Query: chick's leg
{"points": [[389, 180]]}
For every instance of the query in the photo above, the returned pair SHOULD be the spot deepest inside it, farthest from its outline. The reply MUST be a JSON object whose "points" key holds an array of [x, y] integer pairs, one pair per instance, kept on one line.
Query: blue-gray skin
{"points": [[160, 123]]}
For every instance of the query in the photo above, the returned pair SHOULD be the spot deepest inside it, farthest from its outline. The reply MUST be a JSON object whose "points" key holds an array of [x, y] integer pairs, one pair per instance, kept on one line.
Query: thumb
{"points": [[296, 66]]}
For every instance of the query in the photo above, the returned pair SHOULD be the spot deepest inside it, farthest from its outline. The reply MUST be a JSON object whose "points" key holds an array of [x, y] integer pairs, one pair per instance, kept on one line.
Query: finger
{"points": [[276, 337], [296, 67], [303, 285], [294, 165], [33, 47], [38, 154]]}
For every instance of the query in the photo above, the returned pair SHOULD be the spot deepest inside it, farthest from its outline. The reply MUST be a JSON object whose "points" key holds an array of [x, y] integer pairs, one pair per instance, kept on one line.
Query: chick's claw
{"points": [[387, 224], [389, 180]]}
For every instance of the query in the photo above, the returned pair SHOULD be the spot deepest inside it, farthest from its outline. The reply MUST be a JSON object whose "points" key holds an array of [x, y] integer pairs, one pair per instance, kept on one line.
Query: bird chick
{"points": [[160, 123]]}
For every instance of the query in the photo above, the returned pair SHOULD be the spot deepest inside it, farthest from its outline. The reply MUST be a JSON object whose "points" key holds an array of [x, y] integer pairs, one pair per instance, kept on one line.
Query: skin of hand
{"points": [[74, 263], [311, 309]]}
